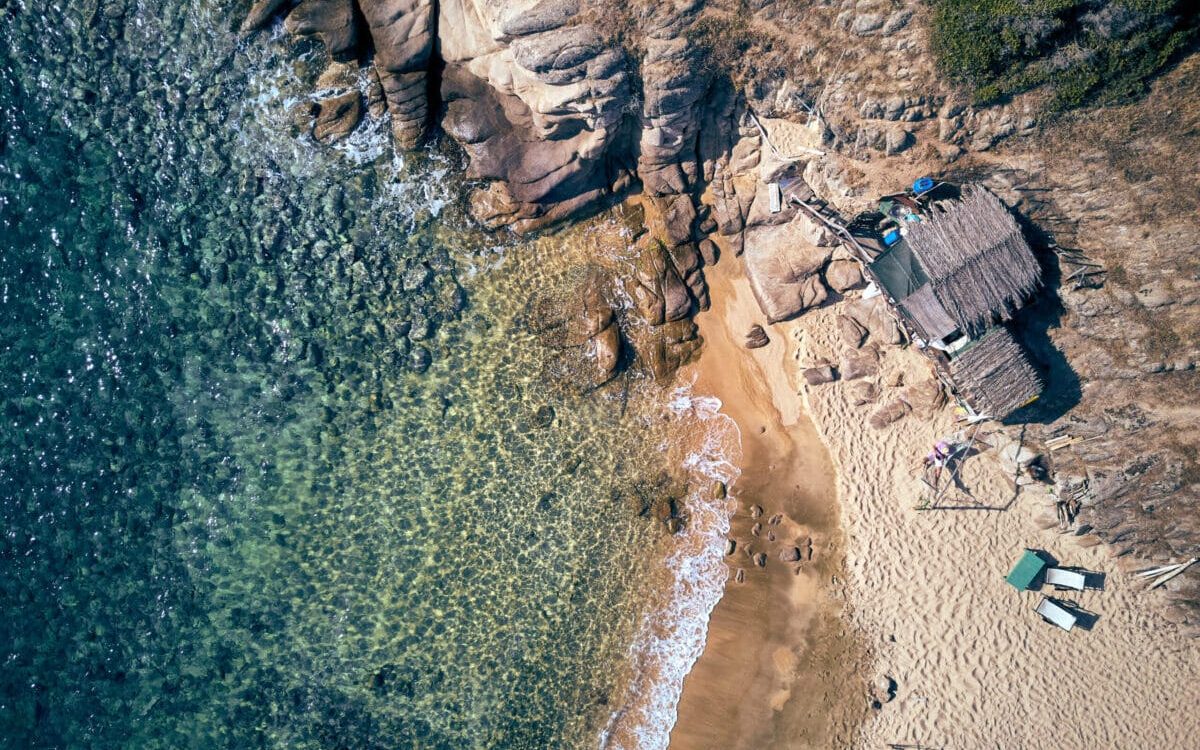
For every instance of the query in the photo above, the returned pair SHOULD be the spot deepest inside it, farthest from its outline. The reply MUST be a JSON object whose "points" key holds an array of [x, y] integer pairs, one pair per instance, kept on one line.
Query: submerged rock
{"points": [[419, 359]]}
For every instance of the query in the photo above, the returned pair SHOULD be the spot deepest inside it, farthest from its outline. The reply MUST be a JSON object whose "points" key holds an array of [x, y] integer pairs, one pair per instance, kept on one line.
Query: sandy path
{"points": [[976, 668], [779, 668]]}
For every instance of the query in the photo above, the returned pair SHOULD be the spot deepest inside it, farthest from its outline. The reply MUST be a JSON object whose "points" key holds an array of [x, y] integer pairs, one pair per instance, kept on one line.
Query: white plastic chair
{"points": [[1055, 615], [1065, 579]]}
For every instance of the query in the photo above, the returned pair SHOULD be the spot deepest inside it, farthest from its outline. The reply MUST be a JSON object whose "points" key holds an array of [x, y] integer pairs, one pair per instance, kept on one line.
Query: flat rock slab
{"points": [[784, 271]]}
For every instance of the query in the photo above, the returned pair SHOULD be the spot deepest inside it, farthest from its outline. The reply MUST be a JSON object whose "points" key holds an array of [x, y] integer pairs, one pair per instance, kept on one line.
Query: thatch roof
{"points": [[976, 258], [994, 375]]}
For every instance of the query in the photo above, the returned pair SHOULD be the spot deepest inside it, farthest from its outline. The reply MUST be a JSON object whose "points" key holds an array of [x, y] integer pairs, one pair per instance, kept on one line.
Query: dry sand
{"points": [[779, 667], [975, 666], [894, 592]]}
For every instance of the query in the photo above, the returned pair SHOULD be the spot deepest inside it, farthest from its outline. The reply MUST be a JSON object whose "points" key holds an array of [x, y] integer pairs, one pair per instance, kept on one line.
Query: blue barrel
{"points": [[892, 237], [922, 185]]}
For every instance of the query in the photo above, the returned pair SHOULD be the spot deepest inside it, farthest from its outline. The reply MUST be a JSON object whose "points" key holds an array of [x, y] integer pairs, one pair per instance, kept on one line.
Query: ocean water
{"points": [[283, 462]]}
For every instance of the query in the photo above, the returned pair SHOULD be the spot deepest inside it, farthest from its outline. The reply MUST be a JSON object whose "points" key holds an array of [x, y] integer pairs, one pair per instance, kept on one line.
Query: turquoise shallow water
{"points": [[234, 513]]}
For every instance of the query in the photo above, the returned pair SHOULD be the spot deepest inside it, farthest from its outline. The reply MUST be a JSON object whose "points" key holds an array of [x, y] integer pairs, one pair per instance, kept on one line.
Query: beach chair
{"points": [[1065, 579], [1052, 613]]}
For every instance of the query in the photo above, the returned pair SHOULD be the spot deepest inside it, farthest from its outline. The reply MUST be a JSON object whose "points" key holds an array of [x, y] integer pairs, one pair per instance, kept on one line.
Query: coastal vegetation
{"points": [[1082, 51]]}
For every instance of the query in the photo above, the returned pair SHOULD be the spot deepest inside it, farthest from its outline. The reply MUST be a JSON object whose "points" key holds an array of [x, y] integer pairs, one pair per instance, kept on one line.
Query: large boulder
{"points": [[402, 36], [396, 34], [538, 107], [674, 81], [874, 315], [843, 275], [784, 271]]}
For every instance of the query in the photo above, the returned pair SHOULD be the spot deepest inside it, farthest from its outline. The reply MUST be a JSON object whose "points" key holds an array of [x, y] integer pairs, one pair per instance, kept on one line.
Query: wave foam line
{"points": [[671, 638]]}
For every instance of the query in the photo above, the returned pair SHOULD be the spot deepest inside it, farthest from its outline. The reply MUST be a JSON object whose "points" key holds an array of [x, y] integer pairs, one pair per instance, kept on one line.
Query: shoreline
{"points": [[902, 624], [779, 666]]}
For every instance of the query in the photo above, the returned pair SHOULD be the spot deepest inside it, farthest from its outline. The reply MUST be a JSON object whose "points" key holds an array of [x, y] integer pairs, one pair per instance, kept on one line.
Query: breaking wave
{"points": [[672, 634]]}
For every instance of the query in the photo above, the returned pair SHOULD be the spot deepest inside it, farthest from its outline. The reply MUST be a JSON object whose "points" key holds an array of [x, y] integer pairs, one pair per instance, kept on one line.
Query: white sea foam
{"points": [[671, 638]]}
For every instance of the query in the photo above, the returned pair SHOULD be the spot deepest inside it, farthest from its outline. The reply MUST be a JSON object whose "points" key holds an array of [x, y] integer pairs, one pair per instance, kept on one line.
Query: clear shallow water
{"points": [[233, 516]]}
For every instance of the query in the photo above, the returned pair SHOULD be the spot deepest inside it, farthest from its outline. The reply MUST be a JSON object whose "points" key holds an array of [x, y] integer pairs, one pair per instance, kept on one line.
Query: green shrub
{"points": [[1100, 51]]}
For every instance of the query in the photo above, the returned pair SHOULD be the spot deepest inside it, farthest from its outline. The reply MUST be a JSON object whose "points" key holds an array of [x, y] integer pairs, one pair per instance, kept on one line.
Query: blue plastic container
{"points": [[891, 237], [922, 185]]}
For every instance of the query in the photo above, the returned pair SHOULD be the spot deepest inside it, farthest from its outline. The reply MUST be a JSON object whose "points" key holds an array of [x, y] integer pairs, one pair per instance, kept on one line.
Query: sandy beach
{"points": [[974, 665], [780, 668], [893, 593]]}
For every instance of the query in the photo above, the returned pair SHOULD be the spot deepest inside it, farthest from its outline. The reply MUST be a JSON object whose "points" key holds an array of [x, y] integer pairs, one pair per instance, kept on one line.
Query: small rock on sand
{"points": [[757, 338], [756, 511], [853, 333], [761, 559], [790, 554], [756, 529], [885, 415], [820, 375], [776, 519], [740, 576], [730, 546], [861, 365], [864, 392]]}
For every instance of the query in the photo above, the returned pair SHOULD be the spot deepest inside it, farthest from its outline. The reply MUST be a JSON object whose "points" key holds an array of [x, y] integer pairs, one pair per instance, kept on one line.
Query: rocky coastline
{"points": [[677, 117], [681, 113]]}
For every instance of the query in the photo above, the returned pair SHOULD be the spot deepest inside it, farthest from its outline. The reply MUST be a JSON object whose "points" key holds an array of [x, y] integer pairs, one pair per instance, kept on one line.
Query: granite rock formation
{"points": [[566, 106]]}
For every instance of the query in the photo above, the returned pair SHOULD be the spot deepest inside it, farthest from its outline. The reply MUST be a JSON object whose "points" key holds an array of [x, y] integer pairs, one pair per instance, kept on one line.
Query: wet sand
{"points": [[780, 668]]}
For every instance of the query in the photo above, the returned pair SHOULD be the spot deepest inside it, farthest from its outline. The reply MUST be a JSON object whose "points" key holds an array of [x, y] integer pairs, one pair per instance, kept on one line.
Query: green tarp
{"points": [[1026, 569], [898, 271]]}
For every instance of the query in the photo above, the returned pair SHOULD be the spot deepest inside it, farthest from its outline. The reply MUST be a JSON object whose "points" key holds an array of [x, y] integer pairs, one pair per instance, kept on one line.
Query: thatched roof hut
{"points": [[994, 375], [977, 260]]}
